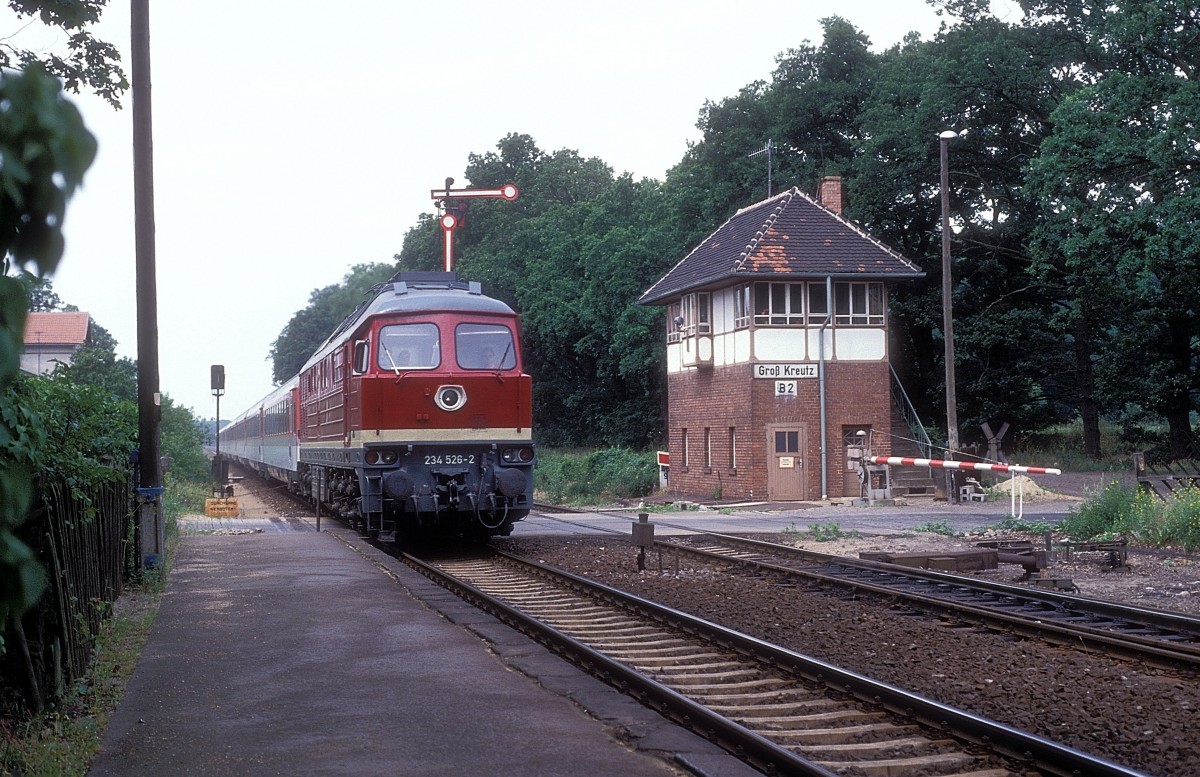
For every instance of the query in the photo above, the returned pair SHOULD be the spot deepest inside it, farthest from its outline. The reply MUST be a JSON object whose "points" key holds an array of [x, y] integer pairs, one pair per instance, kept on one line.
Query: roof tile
{"points": [[788, 234], [56, 328]]}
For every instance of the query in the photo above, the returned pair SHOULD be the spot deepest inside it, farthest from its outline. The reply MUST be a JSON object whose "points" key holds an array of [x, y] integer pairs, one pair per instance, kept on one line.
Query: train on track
{"points": [[413, 418]]}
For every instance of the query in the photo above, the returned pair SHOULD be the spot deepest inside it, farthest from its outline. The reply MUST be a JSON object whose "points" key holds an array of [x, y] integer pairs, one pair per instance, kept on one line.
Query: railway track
{"points": [[782, 712], [1167, 640]]}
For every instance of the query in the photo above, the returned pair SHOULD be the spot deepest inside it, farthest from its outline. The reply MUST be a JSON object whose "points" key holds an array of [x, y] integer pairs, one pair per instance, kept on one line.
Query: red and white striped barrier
{"points": [[944, 464]]}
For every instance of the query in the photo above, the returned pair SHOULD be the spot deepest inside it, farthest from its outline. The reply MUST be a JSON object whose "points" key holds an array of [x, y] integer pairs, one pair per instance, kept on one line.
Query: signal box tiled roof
{"points": [[56, 328], [788, 236]]}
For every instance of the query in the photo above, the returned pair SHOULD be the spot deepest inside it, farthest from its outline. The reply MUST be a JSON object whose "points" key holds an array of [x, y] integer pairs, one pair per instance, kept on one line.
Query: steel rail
{"points": [[1171, 620], [1028, 749], [755, 749], [1041, 624]]}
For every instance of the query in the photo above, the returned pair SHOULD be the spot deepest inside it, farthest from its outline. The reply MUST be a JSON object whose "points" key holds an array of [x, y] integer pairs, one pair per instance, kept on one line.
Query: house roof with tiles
{"points": [[56, 329], [786, 237]]}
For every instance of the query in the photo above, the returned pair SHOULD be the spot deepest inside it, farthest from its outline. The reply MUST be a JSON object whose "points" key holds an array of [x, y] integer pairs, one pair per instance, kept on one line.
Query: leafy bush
{"points": [[88, 435], [828, 532], [1022, 526], [588, 477], [1139, 515], [1113, 511], [1179, 523], [937, 527]]}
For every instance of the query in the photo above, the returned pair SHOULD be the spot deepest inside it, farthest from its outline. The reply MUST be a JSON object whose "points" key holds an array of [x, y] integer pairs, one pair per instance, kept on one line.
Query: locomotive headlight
{"points": [[450, 398], [516, 455], [376, 456]]}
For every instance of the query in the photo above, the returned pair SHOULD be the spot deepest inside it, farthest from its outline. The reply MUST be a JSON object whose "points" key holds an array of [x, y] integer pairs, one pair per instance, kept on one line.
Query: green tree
{"points": [[183, 439], [46, 150], [87, 61], [40, 293], [997, 83], [309, 328], [1117, 176], [96, 363], [572, 259]]}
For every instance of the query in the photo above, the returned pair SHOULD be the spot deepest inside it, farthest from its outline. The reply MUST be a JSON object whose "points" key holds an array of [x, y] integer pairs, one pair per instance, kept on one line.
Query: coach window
{"points": [[404, 347], [484, 347]]}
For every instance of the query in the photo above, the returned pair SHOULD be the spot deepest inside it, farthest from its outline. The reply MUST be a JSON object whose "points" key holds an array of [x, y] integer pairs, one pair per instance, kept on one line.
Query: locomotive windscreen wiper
{"points": [[503, 359], [388, 353]]}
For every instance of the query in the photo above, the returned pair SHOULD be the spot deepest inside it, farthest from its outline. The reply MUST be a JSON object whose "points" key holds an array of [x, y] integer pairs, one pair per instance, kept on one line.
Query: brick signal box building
{"points": [[777, 351]]}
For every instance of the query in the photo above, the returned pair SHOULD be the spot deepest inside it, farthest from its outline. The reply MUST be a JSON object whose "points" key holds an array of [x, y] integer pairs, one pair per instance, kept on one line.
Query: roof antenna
{"points": [[767, 149]]}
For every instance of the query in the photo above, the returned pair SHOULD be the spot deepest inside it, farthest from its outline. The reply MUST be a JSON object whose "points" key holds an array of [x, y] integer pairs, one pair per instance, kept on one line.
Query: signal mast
{"points": [[454, 202]]}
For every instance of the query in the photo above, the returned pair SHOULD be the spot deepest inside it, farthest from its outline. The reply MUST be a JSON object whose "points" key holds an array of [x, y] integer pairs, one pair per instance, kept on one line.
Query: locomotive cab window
{"points": [[484, 347], [404, 347], [362, 359]]}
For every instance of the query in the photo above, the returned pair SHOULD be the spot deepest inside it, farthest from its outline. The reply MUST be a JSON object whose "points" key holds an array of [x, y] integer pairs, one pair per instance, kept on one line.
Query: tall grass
{"points": [[1062, 446], [588, 477], [1139, 515]]}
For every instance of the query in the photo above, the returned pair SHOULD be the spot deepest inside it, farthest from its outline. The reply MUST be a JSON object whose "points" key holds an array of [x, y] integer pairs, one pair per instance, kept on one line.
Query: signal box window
{"points": [[404, 347], [484, 347], [779, 304], [858, 304], [696, 311], [741, 307]]}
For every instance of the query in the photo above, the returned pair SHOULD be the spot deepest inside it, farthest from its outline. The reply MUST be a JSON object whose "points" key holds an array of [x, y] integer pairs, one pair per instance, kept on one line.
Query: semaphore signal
{"points": [[455, 212]]}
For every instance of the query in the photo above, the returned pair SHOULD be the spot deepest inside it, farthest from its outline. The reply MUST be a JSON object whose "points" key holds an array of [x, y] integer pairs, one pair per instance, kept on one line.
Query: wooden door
{"points": [[786, 479]]}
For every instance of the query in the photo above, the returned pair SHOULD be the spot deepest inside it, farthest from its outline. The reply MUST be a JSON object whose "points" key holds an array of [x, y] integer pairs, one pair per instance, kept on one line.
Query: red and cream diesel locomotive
{"points": [[413, 417]]}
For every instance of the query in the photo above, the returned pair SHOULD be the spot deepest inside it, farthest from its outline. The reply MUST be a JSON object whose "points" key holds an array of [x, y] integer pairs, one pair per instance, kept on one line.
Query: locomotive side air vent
{"points": [[450, 398]]}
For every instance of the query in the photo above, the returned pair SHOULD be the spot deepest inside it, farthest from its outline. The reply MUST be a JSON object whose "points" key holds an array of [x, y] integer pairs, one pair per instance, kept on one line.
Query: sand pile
{"points": [[1028, 487]]}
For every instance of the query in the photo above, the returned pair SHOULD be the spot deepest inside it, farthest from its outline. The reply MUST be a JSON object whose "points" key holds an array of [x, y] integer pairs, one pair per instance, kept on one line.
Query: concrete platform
{"points": [[297, 652]]}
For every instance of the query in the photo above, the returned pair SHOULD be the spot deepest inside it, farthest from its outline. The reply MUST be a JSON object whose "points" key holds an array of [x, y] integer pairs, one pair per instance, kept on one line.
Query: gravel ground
{"points": [[1140, 717]]}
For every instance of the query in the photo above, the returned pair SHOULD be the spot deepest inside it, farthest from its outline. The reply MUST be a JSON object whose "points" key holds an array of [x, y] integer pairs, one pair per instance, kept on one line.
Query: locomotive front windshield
{"points": [[409, 347], [484, 347]]}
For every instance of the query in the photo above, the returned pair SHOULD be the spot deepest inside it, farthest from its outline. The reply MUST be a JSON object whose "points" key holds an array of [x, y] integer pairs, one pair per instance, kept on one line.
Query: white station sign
{"points": [[786, 371]]}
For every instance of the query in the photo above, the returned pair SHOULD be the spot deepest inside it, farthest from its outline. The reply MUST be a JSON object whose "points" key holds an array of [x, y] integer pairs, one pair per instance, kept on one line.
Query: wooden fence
{"points": [[84, 545], [1164, 479]]}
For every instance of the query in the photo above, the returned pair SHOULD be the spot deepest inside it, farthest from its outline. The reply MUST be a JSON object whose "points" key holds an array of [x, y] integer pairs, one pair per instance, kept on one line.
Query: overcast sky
{"points": [[295, 139]]}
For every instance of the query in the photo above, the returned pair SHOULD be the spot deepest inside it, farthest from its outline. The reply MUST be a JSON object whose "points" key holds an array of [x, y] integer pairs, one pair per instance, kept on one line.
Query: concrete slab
{"points": [[310, 653]]}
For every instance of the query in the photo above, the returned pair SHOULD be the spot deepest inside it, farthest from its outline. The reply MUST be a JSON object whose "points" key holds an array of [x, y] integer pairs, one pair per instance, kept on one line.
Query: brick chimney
{"points": [[831, 193]]}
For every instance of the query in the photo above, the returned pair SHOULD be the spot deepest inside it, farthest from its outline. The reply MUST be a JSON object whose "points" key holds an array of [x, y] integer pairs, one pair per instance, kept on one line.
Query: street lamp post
{"points": [[948, 317]]}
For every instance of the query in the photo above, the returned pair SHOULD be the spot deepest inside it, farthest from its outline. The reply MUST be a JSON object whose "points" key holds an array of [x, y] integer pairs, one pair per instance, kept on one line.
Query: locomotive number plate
{"points": [[433, 460]]}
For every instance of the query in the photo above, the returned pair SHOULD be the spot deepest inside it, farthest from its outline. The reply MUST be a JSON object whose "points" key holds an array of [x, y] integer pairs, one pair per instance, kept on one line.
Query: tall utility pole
{"points": [[151, 534], [948, 318]]}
